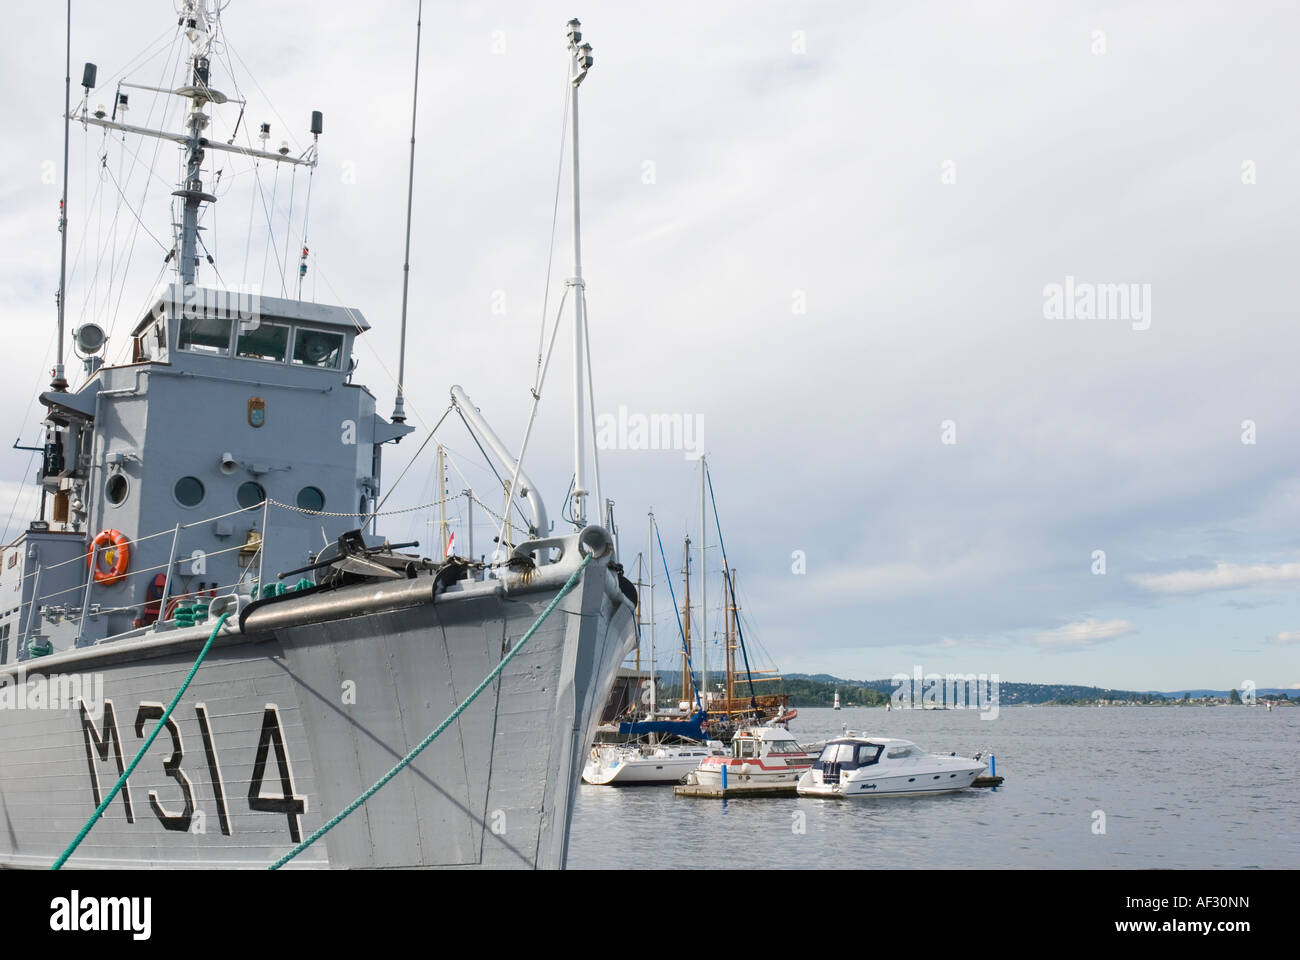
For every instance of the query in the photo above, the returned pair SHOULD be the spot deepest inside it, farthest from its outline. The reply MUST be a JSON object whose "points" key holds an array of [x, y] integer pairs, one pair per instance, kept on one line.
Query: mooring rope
{"points": [[112, 794], [401, 764]]}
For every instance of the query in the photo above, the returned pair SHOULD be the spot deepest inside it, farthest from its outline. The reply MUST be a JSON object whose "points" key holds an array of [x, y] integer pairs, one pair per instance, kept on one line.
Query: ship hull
{"points": [[286, 723]]}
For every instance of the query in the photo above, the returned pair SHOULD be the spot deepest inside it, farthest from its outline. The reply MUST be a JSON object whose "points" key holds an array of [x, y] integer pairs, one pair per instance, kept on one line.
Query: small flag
{"points": [[451, 544]]}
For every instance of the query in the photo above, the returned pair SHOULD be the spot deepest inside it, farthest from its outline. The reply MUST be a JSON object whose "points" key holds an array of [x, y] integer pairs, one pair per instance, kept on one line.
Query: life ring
{"points": [[117, 549]]}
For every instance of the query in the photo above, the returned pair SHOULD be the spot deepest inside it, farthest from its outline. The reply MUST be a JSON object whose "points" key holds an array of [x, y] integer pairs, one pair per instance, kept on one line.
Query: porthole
{"points": [[250, 494], [116, 489], [311, 498], [188, 491]]}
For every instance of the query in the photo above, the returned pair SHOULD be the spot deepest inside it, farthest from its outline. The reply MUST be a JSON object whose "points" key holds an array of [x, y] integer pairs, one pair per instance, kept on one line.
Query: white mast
{"points": [[399, 406], [57, 381], [582, 61]]}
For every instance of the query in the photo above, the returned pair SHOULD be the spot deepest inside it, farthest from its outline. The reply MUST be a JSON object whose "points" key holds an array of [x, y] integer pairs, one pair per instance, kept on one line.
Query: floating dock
{"points": [[731, 793]]}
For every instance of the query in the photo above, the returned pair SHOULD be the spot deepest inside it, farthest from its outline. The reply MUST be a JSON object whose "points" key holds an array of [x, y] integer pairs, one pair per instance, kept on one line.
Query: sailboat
{"points": [[174, 584], [732, 711], [659, 749]]}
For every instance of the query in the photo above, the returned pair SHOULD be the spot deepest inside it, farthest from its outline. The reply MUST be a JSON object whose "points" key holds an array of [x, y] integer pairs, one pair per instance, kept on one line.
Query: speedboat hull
{"points": [[909, 784], [854, 767], [626, 767]]}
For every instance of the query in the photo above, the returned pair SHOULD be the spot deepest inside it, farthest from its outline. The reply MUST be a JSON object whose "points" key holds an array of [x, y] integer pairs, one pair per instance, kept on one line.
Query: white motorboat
{"points": [[633, 763], [764, 756], [856, 765]]}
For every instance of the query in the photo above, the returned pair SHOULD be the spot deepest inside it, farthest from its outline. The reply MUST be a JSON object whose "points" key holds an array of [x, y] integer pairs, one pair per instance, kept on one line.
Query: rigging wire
{"points": [[288, 230], [306, 214], [730, 589], [555, 214], [135, 233], [270, 227], [690, 669]]}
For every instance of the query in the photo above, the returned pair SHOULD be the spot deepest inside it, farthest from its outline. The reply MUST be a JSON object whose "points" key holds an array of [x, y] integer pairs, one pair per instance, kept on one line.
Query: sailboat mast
{"points": [[639, 585], [399, 406], [650, 546], [686, 629], [704, 592], [581, 63], [729, 577]]}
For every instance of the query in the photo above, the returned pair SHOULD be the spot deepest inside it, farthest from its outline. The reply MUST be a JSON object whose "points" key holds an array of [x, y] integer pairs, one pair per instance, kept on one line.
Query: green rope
{"points": [[147, 744], [441, 727]]}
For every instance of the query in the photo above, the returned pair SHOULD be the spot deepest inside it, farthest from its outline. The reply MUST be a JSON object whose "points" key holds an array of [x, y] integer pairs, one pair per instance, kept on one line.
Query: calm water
{"points": [[1180, 787]]}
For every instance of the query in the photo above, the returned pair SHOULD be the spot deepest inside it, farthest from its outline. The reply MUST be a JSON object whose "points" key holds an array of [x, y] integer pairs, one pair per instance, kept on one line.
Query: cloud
{"points": [[1284, 638], [1224, 576], [1083, 633]]}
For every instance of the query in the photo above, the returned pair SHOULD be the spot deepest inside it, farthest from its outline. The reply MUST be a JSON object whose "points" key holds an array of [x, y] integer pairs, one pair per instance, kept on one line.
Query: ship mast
{"points": [[196, 29], [581, 63], [399, 406], [197, 23], [57, 381]]}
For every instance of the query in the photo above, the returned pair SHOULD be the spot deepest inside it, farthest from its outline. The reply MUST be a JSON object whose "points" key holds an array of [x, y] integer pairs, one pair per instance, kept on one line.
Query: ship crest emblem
{"points": [[256, 411]]}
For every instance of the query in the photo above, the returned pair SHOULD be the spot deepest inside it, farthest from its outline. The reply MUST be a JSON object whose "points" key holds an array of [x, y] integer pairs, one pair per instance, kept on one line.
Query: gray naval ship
{"points": [[235, 447]]}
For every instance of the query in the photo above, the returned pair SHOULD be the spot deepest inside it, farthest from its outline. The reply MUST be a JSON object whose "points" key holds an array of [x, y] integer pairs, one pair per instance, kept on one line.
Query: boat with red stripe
{"points": [[761, 756]]}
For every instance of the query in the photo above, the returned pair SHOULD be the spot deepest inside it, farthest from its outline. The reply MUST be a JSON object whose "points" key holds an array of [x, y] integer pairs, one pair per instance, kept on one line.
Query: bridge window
{"points": [[188, 491], [311, 498], [269, 341], [209, 335], [316, 348], [250, 494]]}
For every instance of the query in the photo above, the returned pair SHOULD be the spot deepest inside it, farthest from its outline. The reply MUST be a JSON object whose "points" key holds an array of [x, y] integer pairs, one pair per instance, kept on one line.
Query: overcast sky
{"points": [[823, 229]]}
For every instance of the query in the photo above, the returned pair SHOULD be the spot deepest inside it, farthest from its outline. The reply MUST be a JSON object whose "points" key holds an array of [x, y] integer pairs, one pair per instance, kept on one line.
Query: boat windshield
{"points": [[867, 754], [898, 752], [837, 753]]}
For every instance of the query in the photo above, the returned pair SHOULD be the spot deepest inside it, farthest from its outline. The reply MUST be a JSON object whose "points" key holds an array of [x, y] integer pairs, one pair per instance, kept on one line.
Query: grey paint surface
{"points": [[496, 789]]}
